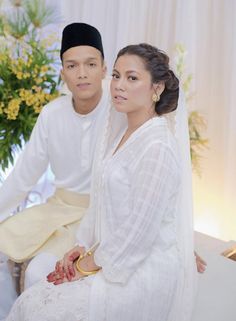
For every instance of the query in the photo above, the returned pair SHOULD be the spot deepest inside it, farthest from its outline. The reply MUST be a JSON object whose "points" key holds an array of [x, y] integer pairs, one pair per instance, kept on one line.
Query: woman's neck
{"points": [[136, 120]]}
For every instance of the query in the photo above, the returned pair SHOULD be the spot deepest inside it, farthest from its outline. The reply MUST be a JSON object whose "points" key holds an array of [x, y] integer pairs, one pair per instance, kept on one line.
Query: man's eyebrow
{"points": [[87, 59]]}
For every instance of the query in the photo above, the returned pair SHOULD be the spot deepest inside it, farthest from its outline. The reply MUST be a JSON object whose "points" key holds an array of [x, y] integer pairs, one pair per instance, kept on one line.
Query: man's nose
{"points": [[81, 73]]}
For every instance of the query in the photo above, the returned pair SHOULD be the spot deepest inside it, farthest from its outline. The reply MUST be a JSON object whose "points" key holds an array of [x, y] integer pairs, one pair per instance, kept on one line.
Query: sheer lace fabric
{"points": [[47, 302]]}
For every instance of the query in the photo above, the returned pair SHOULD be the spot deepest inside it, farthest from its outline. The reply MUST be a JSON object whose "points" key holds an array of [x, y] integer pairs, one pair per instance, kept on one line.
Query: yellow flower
{"points": [[26, 67], [26, 75], [19, 75], [24, 93], [36, 88], [16, 65], [3, 58], [44, 69], [29, 62], [36, 69], [13, 108], [38, 81], [38, 108], [21, 62], [30, 100]]}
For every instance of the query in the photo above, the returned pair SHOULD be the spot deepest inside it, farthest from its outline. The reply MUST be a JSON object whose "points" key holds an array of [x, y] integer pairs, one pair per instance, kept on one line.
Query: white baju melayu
{"points": [[134, 216], [67, 141], [62, 138]]}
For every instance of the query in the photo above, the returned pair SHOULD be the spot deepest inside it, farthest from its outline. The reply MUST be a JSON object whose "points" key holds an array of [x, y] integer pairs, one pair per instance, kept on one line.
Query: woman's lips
{"points": [[119, 98]]}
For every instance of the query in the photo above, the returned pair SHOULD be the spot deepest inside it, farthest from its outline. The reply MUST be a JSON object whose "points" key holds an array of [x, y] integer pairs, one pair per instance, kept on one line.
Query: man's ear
{"points": [[104, 70], [62, 75]]}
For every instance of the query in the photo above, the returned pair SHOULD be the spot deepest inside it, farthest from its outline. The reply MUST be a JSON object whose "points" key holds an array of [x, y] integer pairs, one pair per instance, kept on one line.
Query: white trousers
{"points": [[7, 288], [39, 267]]}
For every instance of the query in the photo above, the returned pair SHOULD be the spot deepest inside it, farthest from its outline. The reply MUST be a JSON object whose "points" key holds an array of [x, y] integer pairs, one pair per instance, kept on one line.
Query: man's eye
{"points": [[92, 64], [70, 66]]}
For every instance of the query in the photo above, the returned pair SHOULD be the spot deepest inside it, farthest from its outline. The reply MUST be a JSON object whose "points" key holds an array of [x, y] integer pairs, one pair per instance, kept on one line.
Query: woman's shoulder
{"points": [[158, 133], [155, 140]]}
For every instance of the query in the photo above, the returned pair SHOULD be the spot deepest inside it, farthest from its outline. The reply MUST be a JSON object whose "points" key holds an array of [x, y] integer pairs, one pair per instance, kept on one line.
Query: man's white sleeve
{"points": [[30, 166]]}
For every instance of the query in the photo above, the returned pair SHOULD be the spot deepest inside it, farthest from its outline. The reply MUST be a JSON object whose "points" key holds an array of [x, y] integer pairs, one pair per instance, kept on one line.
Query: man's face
{"points": [[83, 70]]}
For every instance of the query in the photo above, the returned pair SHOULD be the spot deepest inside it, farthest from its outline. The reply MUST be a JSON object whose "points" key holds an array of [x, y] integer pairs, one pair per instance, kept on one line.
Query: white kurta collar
{"points": [[93, 114]]}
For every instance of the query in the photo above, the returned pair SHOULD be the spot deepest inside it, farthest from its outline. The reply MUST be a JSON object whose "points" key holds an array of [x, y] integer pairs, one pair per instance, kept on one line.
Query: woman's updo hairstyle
{"points": [[157, 63]]}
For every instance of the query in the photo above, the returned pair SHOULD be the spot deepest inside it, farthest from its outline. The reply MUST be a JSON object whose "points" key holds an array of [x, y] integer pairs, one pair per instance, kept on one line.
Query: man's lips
{"points": [[83, 85]]}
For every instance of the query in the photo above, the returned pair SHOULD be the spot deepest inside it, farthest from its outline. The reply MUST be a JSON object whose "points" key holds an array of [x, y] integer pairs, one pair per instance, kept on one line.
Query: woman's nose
{"points": [[120, 85]]}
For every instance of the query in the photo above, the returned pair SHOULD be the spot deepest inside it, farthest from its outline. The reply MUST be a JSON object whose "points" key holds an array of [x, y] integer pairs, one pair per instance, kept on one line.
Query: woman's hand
{"points": [[68, 260], [65, 269], [201, 264], [59, 279], [88, 264]]}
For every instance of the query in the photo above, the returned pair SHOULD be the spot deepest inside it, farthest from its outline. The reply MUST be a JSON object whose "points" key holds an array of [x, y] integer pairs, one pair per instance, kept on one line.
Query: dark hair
{"points": [[157, 63]]}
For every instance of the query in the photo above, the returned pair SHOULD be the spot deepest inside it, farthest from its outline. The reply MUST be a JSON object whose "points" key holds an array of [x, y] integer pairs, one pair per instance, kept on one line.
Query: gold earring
{"points": [[155, 98]]}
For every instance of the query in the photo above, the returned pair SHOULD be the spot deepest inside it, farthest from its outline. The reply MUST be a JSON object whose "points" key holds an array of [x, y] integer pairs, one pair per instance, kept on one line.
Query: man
{"points": [[65, 136]]}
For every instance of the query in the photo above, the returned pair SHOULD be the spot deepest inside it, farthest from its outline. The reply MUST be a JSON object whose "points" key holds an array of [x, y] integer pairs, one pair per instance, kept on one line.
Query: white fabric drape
{"points": [[205, 27]]}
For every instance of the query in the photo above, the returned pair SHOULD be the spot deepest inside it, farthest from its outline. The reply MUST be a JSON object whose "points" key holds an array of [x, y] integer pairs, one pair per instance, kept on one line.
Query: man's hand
{"points": [[201, 264]]}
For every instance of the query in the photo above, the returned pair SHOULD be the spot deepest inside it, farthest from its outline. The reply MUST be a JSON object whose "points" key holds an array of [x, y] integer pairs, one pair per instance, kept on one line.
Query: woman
{"points": [[141, 264]]}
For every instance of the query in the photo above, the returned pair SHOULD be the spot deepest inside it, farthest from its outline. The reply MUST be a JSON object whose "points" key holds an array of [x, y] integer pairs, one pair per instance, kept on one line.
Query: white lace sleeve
{"points": [[85, 232], [154, 181]]}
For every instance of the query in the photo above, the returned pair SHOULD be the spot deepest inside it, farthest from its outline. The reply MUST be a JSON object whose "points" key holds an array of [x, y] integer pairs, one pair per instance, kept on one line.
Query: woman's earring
{"points": [[155, 98]]}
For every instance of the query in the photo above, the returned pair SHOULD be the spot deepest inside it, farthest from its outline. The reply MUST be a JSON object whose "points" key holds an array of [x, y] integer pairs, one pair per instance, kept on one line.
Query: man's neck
{"points": [[85, 107]]}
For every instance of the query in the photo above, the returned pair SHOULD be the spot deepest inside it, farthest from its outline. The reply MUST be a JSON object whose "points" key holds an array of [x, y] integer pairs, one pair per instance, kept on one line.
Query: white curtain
{"points": [[205, 28], [121, 22]]}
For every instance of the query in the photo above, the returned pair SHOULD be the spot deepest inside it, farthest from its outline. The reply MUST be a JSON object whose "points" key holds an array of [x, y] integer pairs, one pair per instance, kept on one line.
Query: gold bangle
{"points": [[85, 273]]}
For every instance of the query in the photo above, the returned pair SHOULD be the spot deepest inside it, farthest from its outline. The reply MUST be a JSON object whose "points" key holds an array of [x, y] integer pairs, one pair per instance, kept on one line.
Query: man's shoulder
{"points": [[56, 105]]}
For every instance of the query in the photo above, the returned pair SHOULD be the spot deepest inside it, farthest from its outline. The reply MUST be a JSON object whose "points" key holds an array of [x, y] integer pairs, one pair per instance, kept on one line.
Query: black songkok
{"points": [[80, 34]]}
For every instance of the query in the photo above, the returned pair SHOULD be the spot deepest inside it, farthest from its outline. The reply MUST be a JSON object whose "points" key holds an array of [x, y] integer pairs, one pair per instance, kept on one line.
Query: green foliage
{"points": [[196, 122], [39, 14], [18, 24], [198, 143], [28, 77]]}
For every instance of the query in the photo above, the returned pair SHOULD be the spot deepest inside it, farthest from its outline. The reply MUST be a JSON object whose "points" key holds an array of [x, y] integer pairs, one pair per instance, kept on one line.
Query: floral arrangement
{"points": [[28, 75], [196, 121]]}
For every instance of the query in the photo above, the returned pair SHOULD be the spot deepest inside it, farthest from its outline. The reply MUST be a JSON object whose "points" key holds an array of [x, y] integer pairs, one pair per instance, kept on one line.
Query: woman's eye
{"points": [[70, 66], [132, 78], [92, 64], [115, 76]]}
